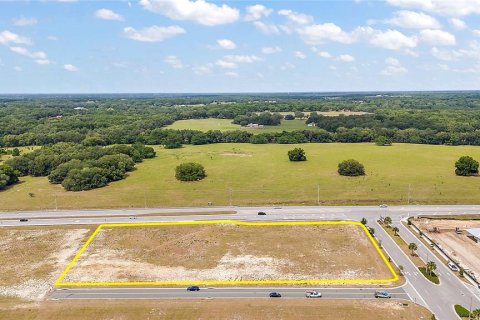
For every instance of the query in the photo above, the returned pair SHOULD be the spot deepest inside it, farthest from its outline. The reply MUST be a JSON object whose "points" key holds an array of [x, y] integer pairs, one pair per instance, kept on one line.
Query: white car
{"points": [[313, 294], [383, 206], [453, 266]]}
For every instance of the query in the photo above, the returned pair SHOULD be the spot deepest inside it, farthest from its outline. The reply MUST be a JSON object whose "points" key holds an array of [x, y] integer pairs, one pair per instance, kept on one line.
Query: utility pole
{"points": [[56, 205], [318, 194], [231, 196], [145, 198], [470, 313], [408, 201]]}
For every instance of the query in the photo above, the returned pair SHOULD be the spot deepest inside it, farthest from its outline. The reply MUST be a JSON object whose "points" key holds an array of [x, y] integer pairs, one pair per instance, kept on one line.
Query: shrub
{"points": [[85, 179], [461, 311], [289, 117], [351, 168], [190, 171], [297, 154], [383, 141], [8, 176], [466, 166]]}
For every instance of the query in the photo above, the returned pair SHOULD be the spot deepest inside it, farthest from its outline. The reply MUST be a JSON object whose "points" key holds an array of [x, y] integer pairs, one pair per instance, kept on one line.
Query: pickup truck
{"points": [[313, 294]]}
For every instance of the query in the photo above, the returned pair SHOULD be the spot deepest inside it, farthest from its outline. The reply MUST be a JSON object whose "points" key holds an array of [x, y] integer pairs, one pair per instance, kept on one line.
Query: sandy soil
{"points": [[240, 309], [463, 249], [32, 259], [229, 252]]}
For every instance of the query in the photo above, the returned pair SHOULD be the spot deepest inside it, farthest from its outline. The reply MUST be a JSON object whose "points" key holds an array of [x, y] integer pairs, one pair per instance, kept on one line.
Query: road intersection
{"points": [[438, 298]]}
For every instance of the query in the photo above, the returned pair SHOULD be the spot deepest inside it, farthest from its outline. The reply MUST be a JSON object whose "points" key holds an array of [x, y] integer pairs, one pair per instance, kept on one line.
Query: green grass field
{"points": [[226, 125], [247, 174]]}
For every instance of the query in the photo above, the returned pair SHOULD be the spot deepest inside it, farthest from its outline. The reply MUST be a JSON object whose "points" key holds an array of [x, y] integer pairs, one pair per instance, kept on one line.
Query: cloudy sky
{"points": [[238, 46]]}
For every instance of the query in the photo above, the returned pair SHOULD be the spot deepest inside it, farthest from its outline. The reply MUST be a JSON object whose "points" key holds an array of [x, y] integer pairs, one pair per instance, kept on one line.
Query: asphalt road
{"points": [[206, 293], [440, 299]]}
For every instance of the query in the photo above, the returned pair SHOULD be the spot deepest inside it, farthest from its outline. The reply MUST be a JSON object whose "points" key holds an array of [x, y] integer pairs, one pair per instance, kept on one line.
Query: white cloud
{"points": [[174, 62], [324, 54], [392, 62], [450, 8], [40, 57], [287, 66], [266, 28], [346, 58], [17, 68], [232, 61], [394, 70], [24, 22], [201, 70], [256, 12], [231, 74], [296, 17], [271, 50], [153, 33], [394, 67], [107, 14], [413, 20], [437, 37], [7, 37], [476, 32], [457, 23], [52, 38], [70, 67], [226, 44], [200, 11], [299, 55], [392, 40], [319, 33], [470, 52]]}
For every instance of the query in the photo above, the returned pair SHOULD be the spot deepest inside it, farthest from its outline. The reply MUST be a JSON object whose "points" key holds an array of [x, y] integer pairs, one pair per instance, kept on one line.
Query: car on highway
{"points": [[382, 295], [193, 288], [275, 295], [453, 266], [23, 220], [261, 213], [383, 206], [132, 218], [313, 294]]}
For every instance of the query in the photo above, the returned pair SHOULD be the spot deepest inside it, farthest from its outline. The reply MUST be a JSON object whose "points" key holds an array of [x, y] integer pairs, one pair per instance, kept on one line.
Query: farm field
{"points": [[247, 174], [226, 125], [224, 253], [288, 309]]}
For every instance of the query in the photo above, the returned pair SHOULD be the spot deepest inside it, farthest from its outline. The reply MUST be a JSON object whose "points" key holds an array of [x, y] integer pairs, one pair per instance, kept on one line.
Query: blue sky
{"points": [[238, 46]]}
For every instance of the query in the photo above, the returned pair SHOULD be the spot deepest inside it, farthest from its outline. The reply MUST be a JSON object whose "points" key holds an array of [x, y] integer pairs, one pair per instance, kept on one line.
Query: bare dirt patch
{"points": [[229, 252], [31, 259], [463, 249], [244, 309]]}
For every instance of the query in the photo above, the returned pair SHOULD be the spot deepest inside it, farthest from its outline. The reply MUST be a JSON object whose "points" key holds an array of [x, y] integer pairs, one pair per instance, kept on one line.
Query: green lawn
{"points": [[226, 125], [247, 174]]}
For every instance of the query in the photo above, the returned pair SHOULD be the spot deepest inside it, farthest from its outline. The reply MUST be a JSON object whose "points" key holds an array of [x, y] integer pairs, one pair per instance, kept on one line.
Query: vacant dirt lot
{"points": [[229, 252], [244, 309], [32, 259], [464, 249]]}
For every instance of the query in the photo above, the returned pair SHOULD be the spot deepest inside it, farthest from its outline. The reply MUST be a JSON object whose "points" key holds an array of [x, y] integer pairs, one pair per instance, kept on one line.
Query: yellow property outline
{"points": [[59, 282]]}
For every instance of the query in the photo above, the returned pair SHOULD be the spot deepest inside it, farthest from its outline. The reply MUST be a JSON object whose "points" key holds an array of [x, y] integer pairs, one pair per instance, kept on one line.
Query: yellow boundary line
{"points": [[59, 281]]}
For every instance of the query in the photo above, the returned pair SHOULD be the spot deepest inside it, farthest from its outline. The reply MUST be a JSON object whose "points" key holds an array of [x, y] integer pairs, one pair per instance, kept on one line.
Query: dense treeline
{"points": [[78, 167], [434, 118]]}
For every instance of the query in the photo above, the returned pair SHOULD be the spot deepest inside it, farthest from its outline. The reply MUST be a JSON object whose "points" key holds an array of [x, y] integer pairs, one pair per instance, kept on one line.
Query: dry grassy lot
{"points": [[229, 252], [245, 309], [31, 259]]}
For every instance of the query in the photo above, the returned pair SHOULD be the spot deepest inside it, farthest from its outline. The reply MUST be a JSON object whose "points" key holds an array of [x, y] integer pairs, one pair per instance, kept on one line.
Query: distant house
{"points": [[254, 125], [474, 234], [80, 108], [312, 124]]}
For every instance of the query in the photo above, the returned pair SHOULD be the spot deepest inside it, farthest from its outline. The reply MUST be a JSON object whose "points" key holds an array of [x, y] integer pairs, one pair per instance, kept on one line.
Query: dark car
{"points": [[275, 295], [193, 288], [382, 295], [23, 220], [261, 213]]}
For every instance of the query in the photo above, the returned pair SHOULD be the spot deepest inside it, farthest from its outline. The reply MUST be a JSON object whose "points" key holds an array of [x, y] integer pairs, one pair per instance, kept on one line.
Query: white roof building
{"points": [[475, 232]]}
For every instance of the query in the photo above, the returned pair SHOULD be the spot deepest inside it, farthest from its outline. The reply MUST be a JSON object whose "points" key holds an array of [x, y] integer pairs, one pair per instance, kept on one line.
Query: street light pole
{"points": [[318, 194]]}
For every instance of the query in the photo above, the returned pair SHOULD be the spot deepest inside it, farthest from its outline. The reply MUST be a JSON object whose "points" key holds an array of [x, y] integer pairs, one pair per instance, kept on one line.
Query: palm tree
{"points": [[431, 266], [413, 246], [395, 230], [387, 221], [476, 314]]}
